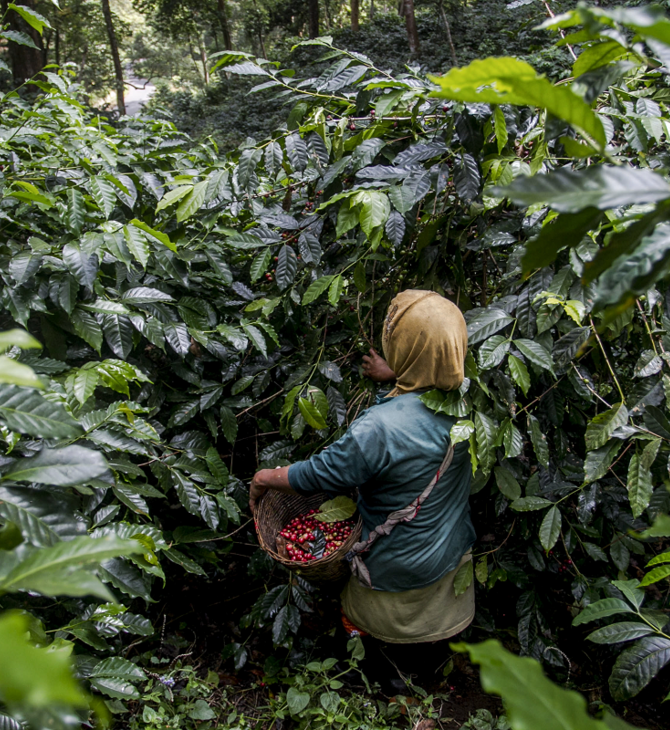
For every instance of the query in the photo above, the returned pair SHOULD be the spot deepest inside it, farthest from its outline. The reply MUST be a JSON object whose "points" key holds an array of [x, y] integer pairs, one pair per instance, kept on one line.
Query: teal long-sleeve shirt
{"points": [[390, 454]]}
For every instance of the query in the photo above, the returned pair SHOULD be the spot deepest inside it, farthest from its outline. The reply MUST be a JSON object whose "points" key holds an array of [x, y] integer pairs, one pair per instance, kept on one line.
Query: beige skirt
{"points": [[408, 617]]}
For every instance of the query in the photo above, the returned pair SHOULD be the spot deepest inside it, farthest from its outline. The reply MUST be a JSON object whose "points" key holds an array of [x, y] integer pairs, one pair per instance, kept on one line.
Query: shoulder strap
{"points": [[407, 514]]}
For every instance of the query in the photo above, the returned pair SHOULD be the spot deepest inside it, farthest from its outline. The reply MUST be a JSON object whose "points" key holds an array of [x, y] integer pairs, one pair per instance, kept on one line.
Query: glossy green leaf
{"points": [[60, 467], [506, 80], [26, 411]]}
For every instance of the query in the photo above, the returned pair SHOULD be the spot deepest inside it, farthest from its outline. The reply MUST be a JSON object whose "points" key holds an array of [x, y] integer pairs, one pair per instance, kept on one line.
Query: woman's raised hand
{"points": [[376, 368]]}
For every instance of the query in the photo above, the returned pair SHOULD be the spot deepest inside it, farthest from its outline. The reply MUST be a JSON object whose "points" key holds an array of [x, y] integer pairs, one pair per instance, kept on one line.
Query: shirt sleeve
{"points": [[338, 468]]}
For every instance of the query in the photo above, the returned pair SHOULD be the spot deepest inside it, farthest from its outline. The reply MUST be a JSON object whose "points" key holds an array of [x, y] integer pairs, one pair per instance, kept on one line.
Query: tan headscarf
{"points": [[425, 341]]}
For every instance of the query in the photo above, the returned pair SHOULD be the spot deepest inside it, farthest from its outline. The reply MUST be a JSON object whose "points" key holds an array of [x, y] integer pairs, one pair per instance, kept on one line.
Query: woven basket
{"points": [[275, 510]]}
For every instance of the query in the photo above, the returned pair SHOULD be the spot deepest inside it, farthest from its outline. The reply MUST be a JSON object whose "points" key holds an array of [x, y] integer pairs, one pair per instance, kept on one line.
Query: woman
{"points": [[391, 453]]}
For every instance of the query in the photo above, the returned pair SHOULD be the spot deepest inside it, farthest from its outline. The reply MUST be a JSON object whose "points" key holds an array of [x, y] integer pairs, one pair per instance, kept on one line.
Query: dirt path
{"points": [[137, 93]]}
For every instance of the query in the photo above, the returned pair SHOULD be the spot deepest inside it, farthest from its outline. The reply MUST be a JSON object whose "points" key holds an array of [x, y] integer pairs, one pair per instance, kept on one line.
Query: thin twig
{"points": [[230, 534]]}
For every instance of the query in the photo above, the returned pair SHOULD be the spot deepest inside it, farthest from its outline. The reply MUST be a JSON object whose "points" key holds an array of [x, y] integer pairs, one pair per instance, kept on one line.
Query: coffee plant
{"points": [[202, 315]]}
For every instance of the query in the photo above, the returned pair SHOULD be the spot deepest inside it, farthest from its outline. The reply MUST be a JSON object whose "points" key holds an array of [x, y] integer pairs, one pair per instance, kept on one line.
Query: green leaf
{"points": [[602, 609], [58, 570], [507, 484], [539, 441], [519, 373], [622, 631], [512, 440], [119, 668], [500, 128], [335, 290], [486, 323], [260, 265], [31, 676], [287, 266], [534, 352], [153, 234], [116, 688], [530, 504], [26, 411], [374, 209], [315, 289], [597, 55], [631, 274], [336, 510], [531, 700], [485, 432], [506, 80], [137, 244], [550, 528], [598, 462], [192, 203], [601, 427], [104, 195], [661, 558], [463, 578], [492, 352], [639, 483], [296, 700], [18, 338], [598, 186], [636, 666], [82, 265], [311, 414], [14, 373], [63, 467], [172, 196], [228, 424], [655, 575], [32, 17], [76, 210]]}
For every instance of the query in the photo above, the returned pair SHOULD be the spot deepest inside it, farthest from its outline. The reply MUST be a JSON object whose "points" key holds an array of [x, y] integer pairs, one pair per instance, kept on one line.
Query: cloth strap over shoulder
{"points": [[407, 514]]}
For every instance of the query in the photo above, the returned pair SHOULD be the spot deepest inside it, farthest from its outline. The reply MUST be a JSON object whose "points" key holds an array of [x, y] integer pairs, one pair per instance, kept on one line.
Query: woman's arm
{"points": [[268, 479]]}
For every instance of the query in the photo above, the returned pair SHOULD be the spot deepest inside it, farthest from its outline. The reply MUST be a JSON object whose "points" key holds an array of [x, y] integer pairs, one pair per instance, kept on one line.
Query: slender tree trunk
{"points": [[262, 42], [225, 26], [203, 59], [447, 29], [372, 9], [192, 55], [354, 15], [326, 12], [57, 46], [406, 8], [118, 69], [313, 18], [26, 62]]}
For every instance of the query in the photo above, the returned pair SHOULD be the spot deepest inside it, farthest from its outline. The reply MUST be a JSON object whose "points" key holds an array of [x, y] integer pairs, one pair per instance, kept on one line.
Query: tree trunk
{"points": [[372, 9], [354, 15], [26, 62], [57, 44], [118, 69], [262, 42], [447, 29], [225, 26], [313, 18], [203, 60], [406, 8]]}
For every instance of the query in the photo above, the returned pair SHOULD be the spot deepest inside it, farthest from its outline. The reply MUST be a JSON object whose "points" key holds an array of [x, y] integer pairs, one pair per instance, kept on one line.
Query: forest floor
{"points": [[205, 615]]}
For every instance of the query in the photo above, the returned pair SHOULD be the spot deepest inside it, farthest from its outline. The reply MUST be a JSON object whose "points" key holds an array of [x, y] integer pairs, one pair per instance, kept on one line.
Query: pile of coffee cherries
{"points": [[302, 537]]}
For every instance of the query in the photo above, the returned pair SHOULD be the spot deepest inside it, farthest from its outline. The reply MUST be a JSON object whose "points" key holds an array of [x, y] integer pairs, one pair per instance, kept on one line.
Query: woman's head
{"points": [[425, 341]]}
